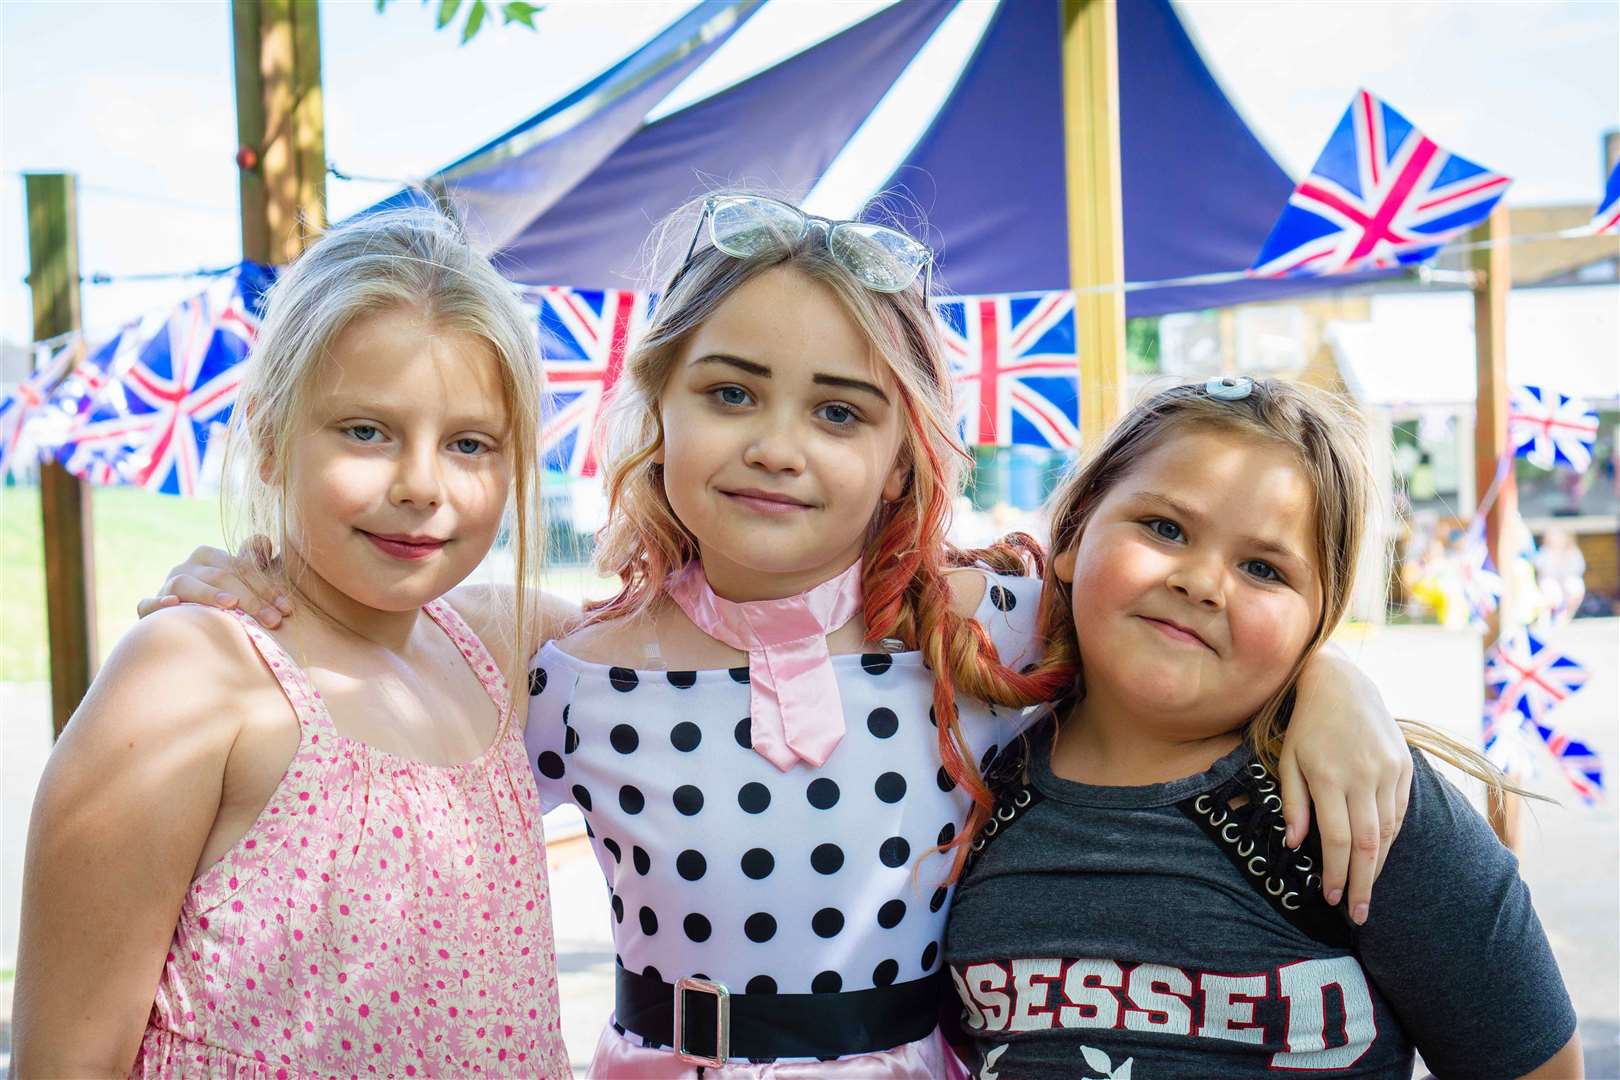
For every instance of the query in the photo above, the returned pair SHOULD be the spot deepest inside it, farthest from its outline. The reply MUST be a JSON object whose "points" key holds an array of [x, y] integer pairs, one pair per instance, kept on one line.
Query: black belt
{"points": [[776, 1025]]}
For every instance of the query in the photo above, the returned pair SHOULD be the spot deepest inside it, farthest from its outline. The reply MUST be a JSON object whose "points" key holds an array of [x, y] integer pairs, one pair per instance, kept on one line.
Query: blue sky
{"points": [[137, 98]]}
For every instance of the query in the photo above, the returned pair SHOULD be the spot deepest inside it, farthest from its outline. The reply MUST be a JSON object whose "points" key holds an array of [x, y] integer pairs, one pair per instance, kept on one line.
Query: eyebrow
{"points": [[1270, 547], [819, 379]]}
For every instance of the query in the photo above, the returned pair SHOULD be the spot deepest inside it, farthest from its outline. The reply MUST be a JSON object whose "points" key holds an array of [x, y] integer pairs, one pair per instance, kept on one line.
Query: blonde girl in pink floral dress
{"points": [[316, 850]]}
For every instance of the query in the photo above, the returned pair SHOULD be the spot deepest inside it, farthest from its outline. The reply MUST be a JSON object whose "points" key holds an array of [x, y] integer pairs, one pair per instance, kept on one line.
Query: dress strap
{"points": [[473, 651], [306, 701]]}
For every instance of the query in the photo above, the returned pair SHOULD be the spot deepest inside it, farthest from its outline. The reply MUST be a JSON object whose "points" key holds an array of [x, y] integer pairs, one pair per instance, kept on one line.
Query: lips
{"points": [[767, 502], [403, 546], [1178, 632]]}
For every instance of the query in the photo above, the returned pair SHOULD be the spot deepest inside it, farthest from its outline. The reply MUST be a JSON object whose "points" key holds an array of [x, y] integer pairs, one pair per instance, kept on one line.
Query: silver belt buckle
{"points": [[722, 1021]]}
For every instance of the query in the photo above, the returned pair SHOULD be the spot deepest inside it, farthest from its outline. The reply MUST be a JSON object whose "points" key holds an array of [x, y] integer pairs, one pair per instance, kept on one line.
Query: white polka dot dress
{"points": [[723, 866]]}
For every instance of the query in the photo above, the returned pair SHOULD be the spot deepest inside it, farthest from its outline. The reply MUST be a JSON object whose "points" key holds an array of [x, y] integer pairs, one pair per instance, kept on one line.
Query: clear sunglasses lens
{"points": [[743, 228], [884, 260]]}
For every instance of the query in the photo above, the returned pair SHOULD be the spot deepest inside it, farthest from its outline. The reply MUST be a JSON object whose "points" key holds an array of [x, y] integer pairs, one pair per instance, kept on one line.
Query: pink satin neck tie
{"points": [[795, 708]]}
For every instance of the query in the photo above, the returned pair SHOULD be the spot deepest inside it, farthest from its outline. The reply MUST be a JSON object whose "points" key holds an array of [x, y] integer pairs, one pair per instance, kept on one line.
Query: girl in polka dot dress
{"points": [[317, 851], [777, 728]]}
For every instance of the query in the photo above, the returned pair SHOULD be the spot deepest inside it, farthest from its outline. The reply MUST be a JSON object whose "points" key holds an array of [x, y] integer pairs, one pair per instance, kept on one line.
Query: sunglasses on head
{"points": [[744, 226]]}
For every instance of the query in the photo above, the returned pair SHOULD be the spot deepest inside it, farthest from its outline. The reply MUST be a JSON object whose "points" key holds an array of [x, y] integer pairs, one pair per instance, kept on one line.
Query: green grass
{"points": [[138, 537]]}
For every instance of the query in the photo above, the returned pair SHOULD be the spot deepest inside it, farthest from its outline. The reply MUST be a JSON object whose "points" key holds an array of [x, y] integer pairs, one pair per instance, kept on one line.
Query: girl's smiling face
{"points": [[781, 437], [1194, 582]]}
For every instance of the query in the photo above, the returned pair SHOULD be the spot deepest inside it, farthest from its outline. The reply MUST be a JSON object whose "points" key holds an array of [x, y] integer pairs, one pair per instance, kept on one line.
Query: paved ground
{"points": [[1571, 857]]}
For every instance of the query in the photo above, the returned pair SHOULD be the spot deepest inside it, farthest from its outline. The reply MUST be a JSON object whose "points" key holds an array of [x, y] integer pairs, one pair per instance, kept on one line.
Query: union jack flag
{"points": [[174, 390], [20, 411], [1015, 365], [1481, 583], [1508, 741], [1530, 677], [1581, 765], [1546, 427], [1382, 193], [1607, 218], [584, 337]]}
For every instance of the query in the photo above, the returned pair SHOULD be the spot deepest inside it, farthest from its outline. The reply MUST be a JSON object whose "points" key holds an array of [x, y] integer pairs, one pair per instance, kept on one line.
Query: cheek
{"points": [[479, 492], [341, 485], [1111, 572], [1270, 632]]}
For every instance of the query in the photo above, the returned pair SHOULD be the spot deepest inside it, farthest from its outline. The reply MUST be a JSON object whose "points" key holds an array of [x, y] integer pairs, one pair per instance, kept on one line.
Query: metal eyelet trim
{"points": [[991, 827], [1021, 799], [1278, 826], [1312, 881], [1272, 803], [978, 845], [1266, 787], [1279, 882], [1242, 854], [1304, 864], [1258, 871], [1202, 804], [1213, 820], [1257, 770], [1290, 900], [1006, 813], [1229, 832]]}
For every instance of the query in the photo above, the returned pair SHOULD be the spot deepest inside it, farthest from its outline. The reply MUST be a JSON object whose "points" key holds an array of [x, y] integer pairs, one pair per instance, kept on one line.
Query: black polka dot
{"points": [[876, 663], [937, 901], [681, 680], [697, 927], [894, 851], [882, 723], [822, 793], [890, 787], [761, 984], [618, 908], [739, 674], [622, 679], [930, 954], [688, 799], [827, 858], [691, 865], [933, 718], [947, 833], [754, 798], [685, 736], [1003, 598], [649, 921], [582, 797], [651, 972], [828, 922], [565, 713], [631, 800], [551, 765], [759, 927], [643, 861], [758, 863], [989, 756], [537, 681], [624, 738], [890, 914], [589, 831], [744, 733], [943, 779], [828, 982], [612, 846], [884, 973], [570, 739]]}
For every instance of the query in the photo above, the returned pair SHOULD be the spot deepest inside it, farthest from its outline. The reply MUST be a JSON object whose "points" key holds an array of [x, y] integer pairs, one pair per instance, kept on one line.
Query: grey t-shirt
{"points": [[1103, 934]]}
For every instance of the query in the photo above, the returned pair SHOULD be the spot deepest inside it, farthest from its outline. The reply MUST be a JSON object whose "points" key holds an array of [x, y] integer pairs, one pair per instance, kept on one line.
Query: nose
{"points": [[775, 447], [1200, 582], [417, 481]]}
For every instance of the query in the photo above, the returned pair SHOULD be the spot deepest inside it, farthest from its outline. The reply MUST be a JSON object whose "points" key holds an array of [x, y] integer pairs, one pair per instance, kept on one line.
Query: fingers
{"points": [[155, 603], [1333, 822], [1296, 797], [1366, 843]]}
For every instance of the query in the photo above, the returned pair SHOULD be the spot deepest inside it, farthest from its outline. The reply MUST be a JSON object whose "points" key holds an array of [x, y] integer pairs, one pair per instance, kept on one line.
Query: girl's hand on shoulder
{"points": [[1345, 758], [123, 811], [216, 578]]}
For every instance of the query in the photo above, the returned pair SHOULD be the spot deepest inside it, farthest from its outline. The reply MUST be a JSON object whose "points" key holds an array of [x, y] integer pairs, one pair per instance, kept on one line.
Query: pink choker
{"points": [[795, 708]]}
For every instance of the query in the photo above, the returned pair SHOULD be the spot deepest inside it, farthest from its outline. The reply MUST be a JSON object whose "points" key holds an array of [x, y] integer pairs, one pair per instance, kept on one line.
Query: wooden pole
{"points": [[70, 590], [1492, 280], [280, 126], [1096, 231]]}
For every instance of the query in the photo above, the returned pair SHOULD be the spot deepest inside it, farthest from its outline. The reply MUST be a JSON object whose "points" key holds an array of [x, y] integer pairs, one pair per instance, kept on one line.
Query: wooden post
{"points": [[280, 126], [1096, 231], [1493, 279], [70, 589]]}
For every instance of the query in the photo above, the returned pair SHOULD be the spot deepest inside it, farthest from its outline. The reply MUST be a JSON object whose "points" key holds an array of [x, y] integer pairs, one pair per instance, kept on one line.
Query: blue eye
{"points": [[1164, 528], [1261, 569], [364, 433], [734, 396], [468, 446], [839, 414]]}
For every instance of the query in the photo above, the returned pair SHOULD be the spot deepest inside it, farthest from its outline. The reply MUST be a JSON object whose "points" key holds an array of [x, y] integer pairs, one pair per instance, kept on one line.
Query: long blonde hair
{"points": [[1329, 442], [416, 259], [907, 596]]}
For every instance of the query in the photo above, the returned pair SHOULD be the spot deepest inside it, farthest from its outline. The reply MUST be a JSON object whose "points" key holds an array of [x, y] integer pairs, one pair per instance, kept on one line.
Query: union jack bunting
{"points": [[20, 411], [1607, 218], [1481, 584], [1510, 741], [174, 389], [1014, 360], [1546, 427], [1381, 194], [584, 336], [1581, 765], [1530, 677]]}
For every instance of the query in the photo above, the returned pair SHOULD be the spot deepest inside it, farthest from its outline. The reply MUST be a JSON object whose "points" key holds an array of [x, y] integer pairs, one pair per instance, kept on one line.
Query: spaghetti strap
{"points": [[306, 701], [474, 652]]}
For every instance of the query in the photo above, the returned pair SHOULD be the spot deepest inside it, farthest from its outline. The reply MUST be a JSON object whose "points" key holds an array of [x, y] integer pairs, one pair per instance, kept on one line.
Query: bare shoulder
{"points": [[489, 610], [613, 641], [967, 584]]}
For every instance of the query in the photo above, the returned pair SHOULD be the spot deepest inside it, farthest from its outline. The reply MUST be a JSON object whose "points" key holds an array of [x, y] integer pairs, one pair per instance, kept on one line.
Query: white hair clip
{"points": [[1228, 388]]}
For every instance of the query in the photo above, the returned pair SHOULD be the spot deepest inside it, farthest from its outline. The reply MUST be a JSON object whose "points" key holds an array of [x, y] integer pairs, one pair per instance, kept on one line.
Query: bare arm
{"points": [[1567, 1064], [120, 819]]}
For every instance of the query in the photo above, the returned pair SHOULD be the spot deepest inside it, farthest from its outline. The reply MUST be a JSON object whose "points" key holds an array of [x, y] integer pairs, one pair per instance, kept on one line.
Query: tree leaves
{"points": [[515, 11]]}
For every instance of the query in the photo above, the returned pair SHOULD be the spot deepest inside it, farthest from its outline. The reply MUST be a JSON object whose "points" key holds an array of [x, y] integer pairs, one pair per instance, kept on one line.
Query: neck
{"points": [[389, 629], [1105, 743], [741, 585]]}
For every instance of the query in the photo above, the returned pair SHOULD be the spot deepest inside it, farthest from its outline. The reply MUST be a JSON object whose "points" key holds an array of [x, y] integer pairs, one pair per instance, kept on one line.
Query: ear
{"points": [[1063, 565], [895, 485]]}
